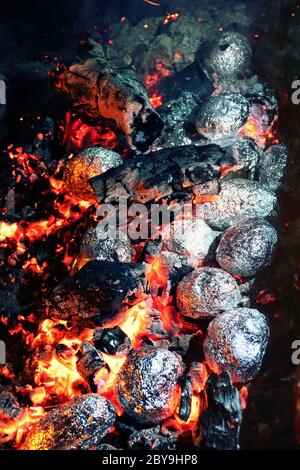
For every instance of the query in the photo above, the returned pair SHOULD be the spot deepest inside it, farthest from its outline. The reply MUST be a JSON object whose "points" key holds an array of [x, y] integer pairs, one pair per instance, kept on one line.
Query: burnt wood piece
{"points": [[111, 340], [9, 406], [80, 424], [160, 174], [222, 420], [97, 92], [89, 363], [185, 406], [97, 292]]}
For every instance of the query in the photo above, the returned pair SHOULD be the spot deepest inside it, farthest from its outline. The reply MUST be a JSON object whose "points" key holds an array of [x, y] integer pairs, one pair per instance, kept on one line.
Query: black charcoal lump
{"points": [[236, 342]]}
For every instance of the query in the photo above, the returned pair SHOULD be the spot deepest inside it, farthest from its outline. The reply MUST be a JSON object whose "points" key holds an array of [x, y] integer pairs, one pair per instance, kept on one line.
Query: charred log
{"points": [[161, 174], [111, 340]]}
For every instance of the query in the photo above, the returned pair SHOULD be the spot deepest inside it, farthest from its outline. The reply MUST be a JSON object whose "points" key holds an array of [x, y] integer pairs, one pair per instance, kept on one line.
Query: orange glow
{"points": [[170, 17], [156, 100], [15, 430]]}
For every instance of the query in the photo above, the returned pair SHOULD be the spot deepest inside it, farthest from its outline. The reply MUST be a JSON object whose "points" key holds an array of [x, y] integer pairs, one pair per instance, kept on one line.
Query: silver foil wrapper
{"points": [[88, 163], [246, 153], [236, 342], [272, 165], [247, 247], [148, 384], [207, 292], [105, 247], [229, 55], [222, 116], [238, 199]]}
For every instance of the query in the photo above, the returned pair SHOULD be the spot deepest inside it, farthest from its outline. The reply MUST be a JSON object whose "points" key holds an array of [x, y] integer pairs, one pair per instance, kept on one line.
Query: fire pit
{"points": [[141, 217]]}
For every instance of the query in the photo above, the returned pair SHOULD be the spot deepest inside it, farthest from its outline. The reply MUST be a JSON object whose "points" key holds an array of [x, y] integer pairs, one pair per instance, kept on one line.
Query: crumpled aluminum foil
{"points": [[222, 116], [247, 247], [148, 384], [246, 153], [229, 55], [207, 292], [238, 199], [236, 342], [272, 167], [88, 163]]}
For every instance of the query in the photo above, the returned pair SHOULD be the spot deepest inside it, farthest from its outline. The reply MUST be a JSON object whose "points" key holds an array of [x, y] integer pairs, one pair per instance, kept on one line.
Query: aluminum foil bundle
{"points": [[79, 424], [222, 116], [148, 384], [90, 162], [236, 342], [247, 247], [207, 292], [227, 56], [238, 199], [246, 153], [190, 239], [101, 246], [272, 167]]}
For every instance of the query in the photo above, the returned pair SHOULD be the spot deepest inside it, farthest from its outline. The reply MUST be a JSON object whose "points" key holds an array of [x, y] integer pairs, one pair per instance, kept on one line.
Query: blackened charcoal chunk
{"points": [[221, 421], [150, 439], [236, 342], [111, 340], [185, 406], [97, 292], [247, 247], [206, 292], [89, 361], [228, 55], [9, 406], [148, 384], [80, 424], [222, 116], [271, 170], [97, 244], [238, 199]]}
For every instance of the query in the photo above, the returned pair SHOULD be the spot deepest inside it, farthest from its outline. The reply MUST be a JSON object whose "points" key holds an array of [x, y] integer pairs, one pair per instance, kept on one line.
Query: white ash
{"points": [[229, 55], [106, 248], [272, 165], [236, 342], [222, 116], [247, 247], [148, 384], [238, 199], [207, 292]]}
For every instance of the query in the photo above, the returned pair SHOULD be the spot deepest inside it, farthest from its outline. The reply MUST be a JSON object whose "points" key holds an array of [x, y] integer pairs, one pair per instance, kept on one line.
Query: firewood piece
{"points": [[160, 174], [97, 292], [80, 424], [221, 421], [97, 92]]}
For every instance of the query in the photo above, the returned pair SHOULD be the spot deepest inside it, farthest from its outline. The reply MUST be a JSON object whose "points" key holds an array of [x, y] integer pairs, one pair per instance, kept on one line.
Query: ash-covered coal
{"points": [[272, 166], [151, 439], [222, 116], [10, 408], [89, 163], [227, 56], [236, 342], [148, 384], [207, 292], [78, 425], [246, 153], [97, 244], [247, 247], [238, 199]]}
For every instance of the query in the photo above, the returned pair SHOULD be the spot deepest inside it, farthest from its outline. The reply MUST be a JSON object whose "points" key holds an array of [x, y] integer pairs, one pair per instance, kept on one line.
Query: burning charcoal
{"points": [[192, 239], [228, 55], [222, 419], [9, 406], [97, 245], [160, 174], [97, 292], [185, 406], [111, 340], [90, 162], [247, 247], [206, 292], [247, 153], [150, 439], [272, 167], [263, 95], [236, 342], [80, 424], [98, 92], [222, 116], [238, 199], [89, 362], [148, 384]]}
